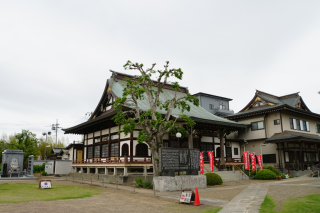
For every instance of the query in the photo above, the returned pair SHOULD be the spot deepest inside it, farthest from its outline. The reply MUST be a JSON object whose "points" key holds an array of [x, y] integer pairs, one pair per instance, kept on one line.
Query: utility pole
{"points": [[56, 127]]}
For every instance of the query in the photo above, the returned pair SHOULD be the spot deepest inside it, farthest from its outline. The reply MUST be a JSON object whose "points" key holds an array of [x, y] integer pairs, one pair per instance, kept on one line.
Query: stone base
{"points": [[164, 183]]}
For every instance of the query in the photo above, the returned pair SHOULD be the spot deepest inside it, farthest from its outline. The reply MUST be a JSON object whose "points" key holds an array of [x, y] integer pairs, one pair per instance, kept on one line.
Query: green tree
{"points": [[155, 125]]}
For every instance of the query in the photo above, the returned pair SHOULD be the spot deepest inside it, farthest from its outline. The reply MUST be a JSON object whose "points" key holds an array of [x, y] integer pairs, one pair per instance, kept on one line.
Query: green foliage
{"points": [[308, 203], [275, 170], [24, 192], [43, 173], [283, 176], [38, 169], [265, 174], [290, 176], [140, 183], [213, 179]]}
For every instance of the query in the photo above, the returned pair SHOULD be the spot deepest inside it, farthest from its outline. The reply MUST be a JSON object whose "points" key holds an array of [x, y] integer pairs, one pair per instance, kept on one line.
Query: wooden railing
{"points": [[115, 160]]}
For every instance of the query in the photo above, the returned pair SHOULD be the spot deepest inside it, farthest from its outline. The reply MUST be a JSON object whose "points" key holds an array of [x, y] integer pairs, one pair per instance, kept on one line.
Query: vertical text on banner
{"points": [[259, 158], [246, 160], [211, 160], [201, 163], [253, 161]]}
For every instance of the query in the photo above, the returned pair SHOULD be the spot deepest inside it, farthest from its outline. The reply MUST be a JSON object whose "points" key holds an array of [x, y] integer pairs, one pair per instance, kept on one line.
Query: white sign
{"points": [[48, 166], [45, 184], [186, 196]]}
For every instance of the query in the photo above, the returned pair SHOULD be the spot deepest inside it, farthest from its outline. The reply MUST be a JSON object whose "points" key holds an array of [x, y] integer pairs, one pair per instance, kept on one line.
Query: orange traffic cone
{"points": [[196, 199]]}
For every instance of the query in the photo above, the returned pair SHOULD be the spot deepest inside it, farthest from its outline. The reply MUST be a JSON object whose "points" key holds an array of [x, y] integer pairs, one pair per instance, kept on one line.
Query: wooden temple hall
{"points": [[106, 152]]}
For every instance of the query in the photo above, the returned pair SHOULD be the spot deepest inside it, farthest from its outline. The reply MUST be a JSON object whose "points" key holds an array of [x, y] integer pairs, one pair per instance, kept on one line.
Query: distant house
{"points": [[283, 127], [59, 154], [215, 104]]}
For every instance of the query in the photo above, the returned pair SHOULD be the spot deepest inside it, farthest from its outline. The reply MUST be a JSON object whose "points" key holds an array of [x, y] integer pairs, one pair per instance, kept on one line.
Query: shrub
{"points": [[38, 169], [139, 181], [265, 174], [147, 184], [213, 179], [290, 176], [271, 168], [43, 173], [283, 176]]}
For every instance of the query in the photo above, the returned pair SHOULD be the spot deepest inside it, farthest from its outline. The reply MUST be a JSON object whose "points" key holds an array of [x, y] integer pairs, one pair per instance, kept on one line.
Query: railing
{"points": [[115, 160]]}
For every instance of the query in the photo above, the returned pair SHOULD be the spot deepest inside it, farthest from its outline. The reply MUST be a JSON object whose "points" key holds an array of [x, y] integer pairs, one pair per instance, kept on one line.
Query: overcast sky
{"points": [[55, 56]]}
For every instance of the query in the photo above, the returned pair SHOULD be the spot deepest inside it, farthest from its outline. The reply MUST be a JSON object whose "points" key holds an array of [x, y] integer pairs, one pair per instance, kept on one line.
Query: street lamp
{"points": [[178, 135], [45, 148], [261, 152]]}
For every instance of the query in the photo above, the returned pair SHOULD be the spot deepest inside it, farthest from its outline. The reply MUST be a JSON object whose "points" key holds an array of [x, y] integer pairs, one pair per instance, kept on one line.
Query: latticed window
{"points": [[97, 151], [105, 138], [105, 151], [97, 140], [90, 152], [114, 150]]}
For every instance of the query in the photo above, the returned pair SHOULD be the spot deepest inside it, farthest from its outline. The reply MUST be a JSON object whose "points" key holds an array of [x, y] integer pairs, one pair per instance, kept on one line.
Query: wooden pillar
{"points": [[131, 147], [109, 149], [190, 139], [214, 150], [100, 143], [279, 158], [301, 164], [119, 143], [295, 158], [221, 150]]}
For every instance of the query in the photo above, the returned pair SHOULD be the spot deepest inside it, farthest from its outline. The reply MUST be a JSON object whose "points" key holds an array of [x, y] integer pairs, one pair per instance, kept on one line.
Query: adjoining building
{"points": [[216, 105], [107, 152], [283, 128]]}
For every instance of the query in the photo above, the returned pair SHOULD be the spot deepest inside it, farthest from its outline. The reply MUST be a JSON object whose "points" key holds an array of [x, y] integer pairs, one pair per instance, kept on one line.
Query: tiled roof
{"points": [[290, 135]]}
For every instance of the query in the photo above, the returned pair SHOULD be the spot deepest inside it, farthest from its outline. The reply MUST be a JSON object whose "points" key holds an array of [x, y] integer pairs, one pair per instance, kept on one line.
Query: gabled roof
{"points": [[115, 87], [263, 102], [293, 137]]}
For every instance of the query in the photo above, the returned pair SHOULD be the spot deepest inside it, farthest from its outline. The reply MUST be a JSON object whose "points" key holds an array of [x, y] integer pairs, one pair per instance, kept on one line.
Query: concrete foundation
{"points": [[298, 173], [164, 183], [231, 176]]}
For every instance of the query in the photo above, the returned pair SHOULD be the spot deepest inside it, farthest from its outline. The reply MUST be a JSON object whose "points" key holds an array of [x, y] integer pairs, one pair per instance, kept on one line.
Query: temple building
{"points": [[106, 152], [283, 128]]}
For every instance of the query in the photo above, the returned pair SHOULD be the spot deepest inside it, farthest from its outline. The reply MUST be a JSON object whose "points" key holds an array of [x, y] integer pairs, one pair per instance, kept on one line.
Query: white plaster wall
{"points": [[122, 135], [114, 129], [96, 133], [90, 135], [271, 128], [135, 133], [216, 146], [85, 152], [64, 156], [254, 146], [255, 134], [71, 153], [206, 139], [105, 131], [139, 126], [62, 167], [216, 140]]}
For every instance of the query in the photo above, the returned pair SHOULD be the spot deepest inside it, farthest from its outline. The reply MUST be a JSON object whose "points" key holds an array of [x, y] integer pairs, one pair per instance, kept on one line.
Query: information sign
{"points": [[186, 197], [45, 184]]}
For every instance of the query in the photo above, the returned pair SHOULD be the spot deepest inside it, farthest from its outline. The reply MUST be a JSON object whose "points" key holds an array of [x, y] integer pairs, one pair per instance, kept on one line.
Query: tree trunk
{"points": [[155, 162]]}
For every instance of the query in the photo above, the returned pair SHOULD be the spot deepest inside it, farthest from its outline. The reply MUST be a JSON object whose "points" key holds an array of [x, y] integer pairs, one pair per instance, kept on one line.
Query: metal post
{"points": [[91, 179], [154, 190], [134, 187]]}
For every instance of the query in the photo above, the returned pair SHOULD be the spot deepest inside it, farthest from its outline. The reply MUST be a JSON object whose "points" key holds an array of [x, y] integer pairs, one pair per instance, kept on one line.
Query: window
{"points": [[270, 158], [307, 126], [298, 124], [97, 151], [211, 106], [125, 150], [90, 152], [105, 151], [142, 150], [165, 144], [105, 138], [293, 123], [97, 140], [276, 122], [222, 106], [235, 151], [114, 149], [257, 125], [318, 128], [301, 125]]}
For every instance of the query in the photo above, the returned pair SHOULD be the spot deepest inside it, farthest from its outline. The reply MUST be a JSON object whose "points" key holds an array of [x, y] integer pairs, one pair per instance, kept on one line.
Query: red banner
{"points": [[201, 163], [253, 162], [246, 160], [259, 158], [211, 160]]}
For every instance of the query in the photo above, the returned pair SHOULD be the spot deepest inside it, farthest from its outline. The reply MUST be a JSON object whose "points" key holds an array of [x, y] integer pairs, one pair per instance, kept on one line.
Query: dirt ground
{"points": [[110, 200], [226, 194]]}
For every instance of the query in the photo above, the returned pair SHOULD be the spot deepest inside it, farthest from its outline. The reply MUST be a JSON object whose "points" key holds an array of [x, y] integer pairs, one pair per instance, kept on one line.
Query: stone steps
{"points": [[227, 176]]}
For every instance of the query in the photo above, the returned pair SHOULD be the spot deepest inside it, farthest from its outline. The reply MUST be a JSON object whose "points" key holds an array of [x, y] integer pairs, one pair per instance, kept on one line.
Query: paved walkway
{"points": [[248, 200]]}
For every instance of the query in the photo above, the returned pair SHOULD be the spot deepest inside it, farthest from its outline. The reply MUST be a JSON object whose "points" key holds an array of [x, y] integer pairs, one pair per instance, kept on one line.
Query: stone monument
{"points": [[14, 160]]}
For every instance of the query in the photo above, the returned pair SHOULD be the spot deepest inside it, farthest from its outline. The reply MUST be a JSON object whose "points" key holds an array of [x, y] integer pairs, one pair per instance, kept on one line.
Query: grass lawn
{"points": [[309, 203], [212, 210], [23, 192]]}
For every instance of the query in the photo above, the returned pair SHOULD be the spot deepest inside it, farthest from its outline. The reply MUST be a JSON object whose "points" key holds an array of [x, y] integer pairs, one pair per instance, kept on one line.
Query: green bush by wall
{"points": [[271, 168], [213, 179], [265, 174]]}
